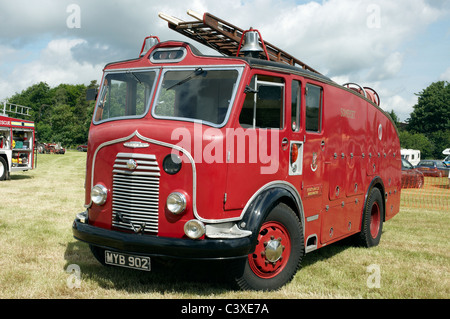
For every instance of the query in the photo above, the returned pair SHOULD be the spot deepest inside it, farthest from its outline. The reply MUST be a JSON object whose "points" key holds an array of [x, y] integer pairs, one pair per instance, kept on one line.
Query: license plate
{"points": [[128, 261]]}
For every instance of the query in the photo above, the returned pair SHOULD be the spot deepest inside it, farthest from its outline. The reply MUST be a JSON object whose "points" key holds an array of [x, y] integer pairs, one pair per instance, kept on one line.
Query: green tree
{"points": [[431, 116], [61, 114], [416, 141], [394, 118]]}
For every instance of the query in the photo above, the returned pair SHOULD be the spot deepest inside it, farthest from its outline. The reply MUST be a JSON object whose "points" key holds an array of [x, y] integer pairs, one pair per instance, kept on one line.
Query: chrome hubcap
{"points": [[273, 250]]}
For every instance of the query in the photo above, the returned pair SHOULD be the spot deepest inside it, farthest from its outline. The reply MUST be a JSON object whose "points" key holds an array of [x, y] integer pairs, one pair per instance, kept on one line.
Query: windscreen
{"points": [[125, 95], [196, 94]]}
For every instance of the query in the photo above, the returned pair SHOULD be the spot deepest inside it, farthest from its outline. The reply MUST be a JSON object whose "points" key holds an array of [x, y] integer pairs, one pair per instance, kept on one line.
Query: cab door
{"points": [[313, 158], [258, 146]]}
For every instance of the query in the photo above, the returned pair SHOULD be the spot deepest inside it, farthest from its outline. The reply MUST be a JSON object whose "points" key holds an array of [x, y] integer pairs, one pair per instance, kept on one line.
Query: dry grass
{"points": [[37, 248]]}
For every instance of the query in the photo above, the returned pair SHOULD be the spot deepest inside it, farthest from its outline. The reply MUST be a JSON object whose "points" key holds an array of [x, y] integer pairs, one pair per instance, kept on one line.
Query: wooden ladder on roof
{"points": [[224, 37]]}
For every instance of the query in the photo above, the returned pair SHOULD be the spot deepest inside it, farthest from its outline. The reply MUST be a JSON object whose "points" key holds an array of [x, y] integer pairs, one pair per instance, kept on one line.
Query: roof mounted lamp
{"points": [[251, 47], [149, 42]]}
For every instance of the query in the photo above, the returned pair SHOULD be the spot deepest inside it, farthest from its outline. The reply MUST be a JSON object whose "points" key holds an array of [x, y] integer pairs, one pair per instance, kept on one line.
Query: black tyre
{"points": [[3, 169], [372, 223], [278, 252]]}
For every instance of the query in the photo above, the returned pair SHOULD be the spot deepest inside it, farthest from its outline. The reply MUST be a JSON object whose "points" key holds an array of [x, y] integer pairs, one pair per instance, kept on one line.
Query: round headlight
{"points": [[194, 229], [99, 193], [176, 203], [172, 164]]}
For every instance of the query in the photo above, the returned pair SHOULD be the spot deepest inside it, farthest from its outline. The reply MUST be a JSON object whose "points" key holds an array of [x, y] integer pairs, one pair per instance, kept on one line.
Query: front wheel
{"points": [[278, 252]]}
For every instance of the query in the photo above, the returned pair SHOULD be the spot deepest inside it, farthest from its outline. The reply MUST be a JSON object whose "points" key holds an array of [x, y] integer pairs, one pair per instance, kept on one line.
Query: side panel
{"points": [[346, 132]]}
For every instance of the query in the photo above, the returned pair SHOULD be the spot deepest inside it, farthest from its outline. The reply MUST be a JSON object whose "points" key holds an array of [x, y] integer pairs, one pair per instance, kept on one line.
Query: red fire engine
{"points": [[252, 156], [16, 141]]}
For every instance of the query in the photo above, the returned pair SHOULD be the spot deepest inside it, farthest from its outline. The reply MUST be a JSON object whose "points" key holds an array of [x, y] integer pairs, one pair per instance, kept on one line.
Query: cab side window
{"points": [[313, 101], [263, 105]]}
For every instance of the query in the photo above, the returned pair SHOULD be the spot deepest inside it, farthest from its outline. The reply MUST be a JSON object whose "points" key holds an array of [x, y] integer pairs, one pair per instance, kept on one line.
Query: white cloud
{"points": [[401, 106], [445, 76], [54, 66], [364, 41]]}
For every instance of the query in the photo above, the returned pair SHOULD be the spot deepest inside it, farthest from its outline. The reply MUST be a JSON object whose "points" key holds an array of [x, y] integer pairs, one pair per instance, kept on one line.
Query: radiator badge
{"points": [[136, 145], [131, 164]]}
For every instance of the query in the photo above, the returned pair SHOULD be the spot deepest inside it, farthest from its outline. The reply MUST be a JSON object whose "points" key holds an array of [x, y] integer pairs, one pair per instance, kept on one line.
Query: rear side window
{"points": [[313, 99]]}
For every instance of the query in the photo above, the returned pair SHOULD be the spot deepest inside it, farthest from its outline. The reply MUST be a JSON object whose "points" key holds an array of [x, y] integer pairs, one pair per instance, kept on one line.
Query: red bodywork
{"points": [[355, 148]]}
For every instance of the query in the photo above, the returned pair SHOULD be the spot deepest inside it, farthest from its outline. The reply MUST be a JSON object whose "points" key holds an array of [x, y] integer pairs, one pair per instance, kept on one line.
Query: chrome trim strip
{"points": [[134, 155], [313, 217]]}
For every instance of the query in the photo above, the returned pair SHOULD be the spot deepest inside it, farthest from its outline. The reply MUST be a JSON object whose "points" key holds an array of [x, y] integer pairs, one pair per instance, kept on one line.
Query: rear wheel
{"points": [[278, 252], [372, 224]]}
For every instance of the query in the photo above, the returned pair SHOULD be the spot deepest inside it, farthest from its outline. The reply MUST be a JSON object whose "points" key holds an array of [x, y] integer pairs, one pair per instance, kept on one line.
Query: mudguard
{"points": [[265, 200]]}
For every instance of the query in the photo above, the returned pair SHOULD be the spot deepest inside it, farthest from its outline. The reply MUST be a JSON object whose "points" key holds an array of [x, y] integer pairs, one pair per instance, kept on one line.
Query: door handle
{"points": [[284, 144]]}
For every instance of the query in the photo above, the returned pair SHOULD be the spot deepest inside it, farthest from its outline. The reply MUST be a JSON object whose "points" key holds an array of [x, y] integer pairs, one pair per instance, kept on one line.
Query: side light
{"points": [[176, 203], [99, 194], [194, 229]]}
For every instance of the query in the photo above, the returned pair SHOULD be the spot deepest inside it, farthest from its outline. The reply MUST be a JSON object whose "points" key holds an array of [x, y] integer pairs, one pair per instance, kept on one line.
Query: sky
{"points": [[396, 47]]}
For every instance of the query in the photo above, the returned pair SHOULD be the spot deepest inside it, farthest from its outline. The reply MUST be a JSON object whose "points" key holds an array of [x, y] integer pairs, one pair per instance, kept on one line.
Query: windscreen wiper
{"points": [[197, 72]]}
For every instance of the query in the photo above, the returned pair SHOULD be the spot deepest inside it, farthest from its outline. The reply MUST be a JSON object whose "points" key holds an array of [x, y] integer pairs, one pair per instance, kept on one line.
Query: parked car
{"points": [[447, 161], [82, 148], [411, 177], [433, 168]]}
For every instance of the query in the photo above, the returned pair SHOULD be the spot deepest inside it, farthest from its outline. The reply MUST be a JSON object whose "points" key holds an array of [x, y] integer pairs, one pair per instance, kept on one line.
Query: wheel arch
{"points": [[265, 199], [377, 182]]}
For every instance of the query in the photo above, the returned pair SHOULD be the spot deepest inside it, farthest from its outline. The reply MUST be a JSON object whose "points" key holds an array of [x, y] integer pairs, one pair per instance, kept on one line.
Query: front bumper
{"points": [[150, 245]]}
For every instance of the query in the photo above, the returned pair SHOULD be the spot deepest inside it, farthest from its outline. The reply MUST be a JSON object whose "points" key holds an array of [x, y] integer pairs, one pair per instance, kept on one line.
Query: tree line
{"points": [[428, 128], [62, 114]]}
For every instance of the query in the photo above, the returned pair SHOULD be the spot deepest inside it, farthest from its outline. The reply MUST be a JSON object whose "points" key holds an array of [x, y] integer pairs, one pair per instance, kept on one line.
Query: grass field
{"points": [[39, 259]]}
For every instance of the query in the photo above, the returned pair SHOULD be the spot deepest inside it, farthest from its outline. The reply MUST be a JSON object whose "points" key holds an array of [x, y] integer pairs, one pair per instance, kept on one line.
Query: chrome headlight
{"points": [[176, 203], [194, 229], [99, 194]]}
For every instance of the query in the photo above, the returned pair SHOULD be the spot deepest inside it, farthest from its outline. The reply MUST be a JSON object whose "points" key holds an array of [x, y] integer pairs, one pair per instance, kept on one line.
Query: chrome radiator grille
{"points": [[135, 193]]}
